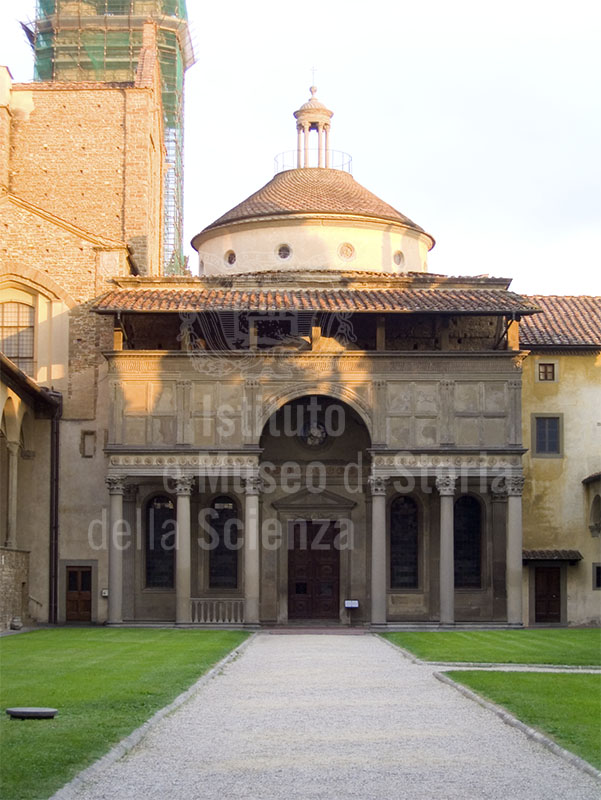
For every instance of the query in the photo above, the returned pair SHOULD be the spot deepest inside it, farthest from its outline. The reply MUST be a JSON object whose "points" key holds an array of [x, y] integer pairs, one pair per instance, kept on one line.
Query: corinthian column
{"points": [[513, 560], [445, 485], [183, 489], [116, 487], [378, 550]]}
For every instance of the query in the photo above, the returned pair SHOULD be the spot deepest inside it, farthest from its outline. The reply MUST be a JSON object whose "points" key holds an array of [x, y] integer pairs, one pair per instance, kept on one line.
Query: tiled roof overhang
{"points": [[551, 555], [566, 322], [44, 402], [382, 300]]}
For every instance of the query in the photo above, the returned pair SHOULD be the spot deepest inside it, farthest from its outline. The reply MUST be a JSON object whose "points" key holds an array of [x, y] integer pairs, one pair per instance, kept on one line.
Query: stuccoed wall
{"points": [[314, 244], [556, 508]]}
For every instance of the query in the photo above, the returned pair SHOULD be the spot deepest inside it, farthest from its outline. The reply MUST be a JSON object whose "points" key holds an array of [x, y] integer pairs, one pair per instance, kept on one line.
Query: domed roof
{"points": [[313, 104], [313, 190]]}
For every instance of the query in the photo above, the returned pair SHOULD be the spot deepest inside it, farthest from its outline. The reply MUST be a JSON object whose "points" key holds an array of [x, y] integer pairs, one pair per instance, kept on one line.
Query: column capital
{"points": [[514, 485], [377, 485], [445, 485], [115, 484], [253, 485], [183, 485]]}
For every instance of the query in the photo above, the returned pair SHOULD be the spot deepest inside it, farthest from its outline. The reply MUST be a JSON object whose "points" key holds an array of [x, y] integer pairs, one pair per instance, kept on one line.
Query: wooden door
{"points": [[314, 571], [547, 594], [79, 594]]}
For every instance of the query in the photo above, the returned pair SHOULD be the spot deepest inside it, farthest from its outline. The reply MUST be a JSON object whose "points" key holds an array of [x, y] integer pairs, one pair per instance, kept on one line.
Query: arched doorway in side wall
{"points": [[314, 465]]}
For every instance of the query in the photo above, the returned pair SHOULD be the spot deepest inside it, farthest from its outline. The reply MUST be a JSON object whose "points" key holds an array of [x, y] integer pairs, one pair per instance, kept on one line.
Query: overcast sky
{"points": [[480, 121]]}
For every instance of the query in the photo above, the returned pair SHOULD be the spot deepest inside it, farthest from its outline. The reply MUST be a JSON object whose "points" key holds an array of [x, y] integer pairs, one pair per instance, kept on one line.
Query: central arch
{"points": [[315, 462]]}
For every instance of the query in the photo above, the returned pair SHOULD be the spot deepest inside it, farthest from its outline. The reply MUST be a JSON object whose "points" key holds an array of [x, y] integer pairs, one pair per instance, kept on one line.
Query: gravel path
{"points": [[334, 717]]}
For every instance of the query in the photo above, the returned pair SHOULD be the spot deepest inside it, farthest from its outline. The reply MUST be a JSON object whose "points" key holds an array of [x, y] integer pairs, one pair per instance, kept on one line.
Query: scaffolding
{"points": [[100, 40]]}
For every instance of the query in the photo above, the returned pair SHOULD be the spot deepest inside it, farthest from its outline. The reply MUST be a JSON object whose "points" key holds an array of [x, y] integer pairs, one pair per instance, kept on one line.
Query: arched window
{"points": [[160, 542], [404, 544], [16, 334], [468, 543], [225, 543]]}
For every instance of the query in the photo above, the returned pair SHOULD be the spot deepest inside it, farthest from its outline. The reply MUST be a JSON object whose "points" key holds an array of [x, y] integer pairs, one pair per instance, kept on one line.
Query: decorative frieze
{"points": [[169, 460], [426, 460]]}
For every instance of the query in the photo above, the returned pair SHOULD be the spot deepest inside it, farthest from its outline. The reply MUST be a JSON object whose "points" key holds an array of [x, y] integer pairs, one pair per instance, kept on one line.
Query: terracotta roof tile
{"points": [[551, 555], [312, 191], [565, 322], [462, 301]]}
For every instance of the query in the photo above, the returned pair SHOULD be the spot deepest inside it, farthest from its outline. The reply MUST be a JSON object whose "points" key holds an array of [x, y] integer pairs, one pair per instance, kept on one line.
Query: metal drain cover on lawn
{"points": [[31, 713]]}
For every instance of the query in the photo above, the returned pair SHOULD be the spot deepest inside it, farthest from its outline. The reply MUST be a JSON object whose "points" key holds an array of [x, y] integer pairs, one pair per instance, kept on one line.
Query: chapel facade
{"points": [[315, 430]]}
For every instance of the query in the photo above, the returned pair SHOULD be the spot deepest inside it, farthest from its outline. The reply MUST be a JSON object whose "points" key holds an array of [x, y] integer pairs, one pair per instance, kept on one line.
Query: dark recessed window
{"points": [[546, 372], [230, 258], [160, 542], [468, 543], [547, 436], [223, 556], [596, 576], [284, 251], [404, 544]]}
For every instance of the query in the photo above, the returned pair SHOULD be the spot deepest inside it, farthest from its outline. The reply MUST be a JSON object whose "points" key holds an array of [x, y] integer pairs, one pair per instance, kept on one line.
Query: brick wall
{"points": [[93, 156], [14, 586]]}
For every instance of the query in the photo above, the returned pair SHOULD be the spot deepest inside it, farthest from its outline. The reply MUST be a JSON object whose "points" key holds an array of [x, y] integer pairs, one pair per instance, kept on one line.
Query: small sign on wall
{"points": [[351, 604]]}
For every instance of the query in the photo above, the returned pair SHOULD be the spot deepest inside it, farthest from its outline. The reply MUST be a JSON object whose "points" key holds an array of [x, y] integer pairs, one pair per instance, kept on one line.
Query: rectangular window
{"points": [[546, 372], [596, 576], [547, 436]]}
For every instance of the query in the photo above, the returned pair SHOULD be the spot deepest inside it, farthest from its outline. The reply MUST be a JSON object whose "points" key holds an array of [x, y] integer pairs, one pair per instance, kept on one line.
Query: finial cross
{"points": [[313, 71]]}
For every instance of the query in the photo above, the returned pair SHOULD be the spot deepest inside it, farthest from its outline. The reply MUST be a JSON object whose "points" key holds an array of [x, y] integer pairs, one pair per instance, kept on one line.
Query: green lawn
{"points": [[105, 683], [571, 646], [565, 707]]}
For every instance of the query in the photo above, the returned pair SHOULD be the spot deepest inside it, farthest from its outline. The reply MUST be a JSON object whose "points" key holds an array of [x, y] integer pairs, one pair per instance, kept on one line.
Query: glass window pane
{"points": [[404, 536], [160, 542], [467, 543], [223, 558]]}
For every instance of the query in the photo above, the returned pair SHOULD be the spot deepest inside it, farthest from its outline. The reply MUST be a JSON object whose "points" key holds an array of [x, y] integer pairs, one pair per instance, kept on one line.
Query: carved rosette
{"points": [[253, 485], [183, 485], [514, 485], [115, 484], [445, 484], [377, 485]]}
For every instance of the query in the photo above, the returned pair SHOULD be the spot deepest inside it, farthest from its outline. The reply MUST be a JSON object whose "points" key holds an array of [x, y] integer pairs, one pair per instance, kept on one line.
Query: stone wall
{"points": [[93, 156], [14, 586]]}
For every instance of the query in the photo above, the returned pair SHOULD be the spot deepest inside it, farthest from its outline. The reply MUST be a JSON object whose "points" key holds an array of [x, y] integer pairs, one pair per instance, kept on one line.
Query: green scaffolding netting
{"points": [[100, 40]]}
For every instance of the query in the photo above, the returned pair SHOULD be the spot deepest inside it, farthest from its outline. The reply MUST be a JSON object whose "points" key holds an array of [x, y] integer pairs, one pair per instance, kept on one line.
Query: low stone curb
{"points": [[136, 736], [531, 733], [508, 667], [503, 665]]}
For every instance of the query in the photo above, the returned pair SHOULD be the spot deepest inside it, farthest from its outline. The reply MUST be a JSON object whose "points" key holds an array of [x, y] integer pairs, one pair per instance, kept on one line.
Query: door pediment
{"points": [[305, 499]]}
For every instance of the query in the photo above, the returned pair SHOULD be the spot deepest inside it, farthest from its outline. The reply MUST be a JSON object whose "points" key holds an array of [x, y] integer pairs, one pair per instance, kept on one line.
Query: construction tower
{"points": [[100, 40]]}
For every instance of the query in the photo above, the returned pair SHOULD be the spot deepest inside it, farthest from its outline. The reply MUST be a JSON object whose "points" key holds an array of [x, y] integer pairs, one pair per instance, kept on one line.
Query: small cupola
{"points": [[313, 116]]}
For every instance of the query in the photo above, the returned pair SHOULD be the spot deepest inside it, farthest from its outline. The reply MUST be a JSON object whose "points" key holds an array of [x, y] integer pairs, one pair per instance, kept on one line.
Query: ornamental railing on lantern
{"points": [[217, 610], [334, 159]]}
